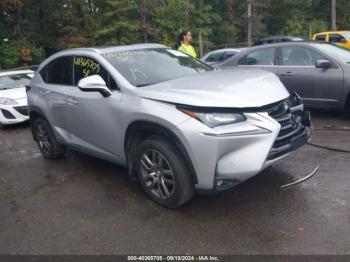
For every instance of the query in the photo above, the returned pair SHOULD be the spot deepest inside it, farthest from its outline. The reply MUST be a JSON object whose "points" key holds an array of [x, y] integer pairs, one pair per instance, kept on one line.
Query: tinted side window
{"points": [[85, 66], [299, 56], [315, 56], [259, 57], [335, 38], [216, 57], [60, 71], [229, 55], [320, 38]]}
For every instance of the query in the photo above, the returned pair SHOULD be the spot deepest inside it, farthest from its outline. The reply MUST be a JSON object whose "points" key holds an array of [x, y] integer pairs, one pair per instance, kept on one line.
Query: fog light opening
{"points": [[219, 182], [225, 183]]}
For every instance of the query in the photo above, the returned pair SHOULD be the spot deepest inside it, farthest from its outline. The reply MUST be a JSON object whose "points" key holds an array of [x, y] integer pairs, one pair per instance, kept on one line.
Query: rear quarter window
{"points": [[59, 71], [259, 57], [320, 38]]}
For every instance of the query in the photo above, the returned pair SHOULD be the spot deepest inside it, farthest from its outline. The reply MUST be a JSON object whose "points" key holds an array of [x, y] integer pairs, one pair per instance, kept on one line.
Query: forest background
{"points": [[31, 30]]}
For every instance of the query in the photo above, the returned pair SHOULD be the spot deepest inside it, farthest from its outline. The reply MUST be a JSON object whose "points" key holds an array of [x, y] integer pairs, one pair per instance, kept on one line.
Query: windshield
{"points": [[151, 66], [14, 81], [340, 53]]}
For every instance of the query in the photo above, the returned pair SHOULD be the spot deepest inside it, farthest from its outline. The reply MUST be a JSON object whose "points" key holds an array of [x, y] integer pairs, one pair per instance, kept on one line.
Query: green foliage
{"points": [[44, 27], [10, 55], [119, 24]]}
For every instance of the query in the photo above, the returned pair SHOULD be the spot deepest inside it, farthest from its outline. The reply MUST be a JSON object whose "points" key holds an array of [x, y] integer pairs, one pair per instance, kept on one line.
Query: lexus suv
{"points": [[177, 124]]}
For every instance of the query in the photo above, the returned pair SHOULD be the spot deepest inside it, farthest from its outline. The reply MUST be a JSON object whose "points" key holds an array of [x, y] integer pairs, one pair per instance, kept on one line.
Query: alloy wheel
{"points": [[157, 174], [44, 139]]}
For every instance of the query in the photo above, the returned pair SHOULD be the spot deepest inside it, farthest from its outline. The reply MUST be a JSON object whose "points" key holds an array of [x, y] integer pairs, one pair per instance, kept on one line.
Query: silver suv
{"points": [[178, 125]]}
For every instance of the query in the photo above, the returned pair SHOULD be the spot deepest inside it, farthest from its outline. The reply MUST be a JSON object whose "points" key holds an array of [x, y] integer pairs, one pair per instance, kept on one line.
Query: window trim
{"points": [[275, 60], [48, 64], [73, 73], [335, 64], [326, 38], [336, 34], [99, 61]]}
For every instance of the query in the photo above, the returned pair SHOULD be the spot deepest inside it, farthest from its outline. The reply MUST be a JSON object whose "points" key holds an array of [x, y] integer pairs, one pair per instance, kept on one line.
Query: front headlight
{"points": [[7, 101], [215, 119]]}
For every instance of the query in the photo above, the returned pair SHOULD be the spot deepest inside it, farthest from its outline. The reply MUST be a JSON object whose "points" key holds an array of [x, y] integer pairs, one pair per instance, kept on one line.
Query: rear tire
{"points": [[163, 172], [46, 140]]}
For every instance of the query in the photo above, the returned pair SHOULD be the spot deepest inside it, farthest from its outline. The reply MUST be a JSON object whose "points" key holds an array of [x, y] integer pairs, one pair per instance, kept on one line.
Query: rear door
{"points": [[58, 79]]}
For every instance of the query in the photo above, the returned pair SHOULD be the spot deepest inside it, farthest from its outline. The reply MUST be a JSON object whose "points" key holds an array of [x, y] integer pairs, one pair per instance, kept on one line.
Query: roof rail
{"points": [[20, 68]]}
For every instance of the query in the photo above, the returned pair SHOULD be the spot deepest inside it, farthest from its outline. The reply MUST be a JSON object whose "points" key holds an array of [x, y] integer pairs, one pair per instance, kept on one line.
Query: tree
{"points": [[333, 15], [120, 23]]}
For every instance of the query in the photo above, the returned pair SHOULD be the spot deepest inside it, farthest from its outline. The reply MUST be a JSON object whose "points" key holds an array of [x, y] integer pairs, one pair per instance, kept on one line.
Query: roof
{"points": [[292, 43], [16, 72], [332, 32], [275, 37], [228, 50], [109, 49]]}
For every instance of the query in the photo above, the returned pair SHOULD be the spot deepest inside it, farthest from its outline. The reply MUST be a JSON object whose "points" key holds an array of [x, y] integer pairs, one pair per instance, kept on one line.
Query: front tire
{"points": [[46, 140], [163, 172]]}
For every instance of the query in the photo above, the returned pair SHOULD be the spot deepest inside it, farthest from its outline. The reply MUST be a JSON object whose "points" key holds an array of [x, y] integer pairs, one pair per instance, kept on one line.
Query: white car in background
{"points": [[220, 55], [13, 97]]}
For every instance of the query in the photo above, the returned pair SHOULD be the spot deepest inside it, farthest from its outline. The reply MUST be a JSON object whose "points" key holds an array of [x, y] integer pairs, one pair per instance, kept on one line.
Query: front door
{"points": [[297, 71], [316, 86], [94, 119]]}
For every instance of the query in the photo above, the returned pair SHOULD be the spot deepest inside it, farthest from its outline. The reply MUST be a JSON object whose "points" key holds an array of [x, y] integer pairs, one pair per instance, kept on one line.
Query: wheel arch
{"points": [[34, 113], [140, 130]]}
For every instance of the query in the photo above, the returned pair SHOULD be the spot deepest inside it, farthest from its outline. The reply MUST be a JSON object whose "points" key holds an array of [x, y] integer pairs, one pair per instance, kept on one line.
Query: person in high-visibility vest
{"points": [[185, 38]]}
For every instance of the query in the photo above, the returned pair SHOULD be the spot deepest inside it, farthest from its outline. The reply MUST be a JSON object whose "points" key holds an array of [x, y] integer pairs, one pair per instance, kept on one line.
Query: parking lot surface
{"points": [[83, 205]]}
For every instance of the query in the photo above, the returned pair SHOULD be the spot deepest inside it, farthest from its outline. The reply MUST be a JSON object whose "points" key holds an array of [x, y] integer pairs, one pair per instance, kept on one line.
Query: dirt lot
{"points": [[83, 205]]}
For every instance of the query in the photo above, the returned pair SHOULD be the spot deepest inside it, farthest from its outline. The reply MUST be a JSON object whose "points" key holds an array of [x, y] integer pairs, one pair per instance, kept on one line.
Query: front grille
{"points": [[22, 110], [294, 130], [7, 114]]}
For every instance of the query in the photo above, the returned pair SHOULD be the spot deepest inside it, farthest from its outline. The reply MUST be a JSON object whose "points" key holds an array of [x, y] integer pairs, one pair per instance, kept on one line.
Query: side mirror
{"points": [[323, 64], [343, 41], [94, 83]]}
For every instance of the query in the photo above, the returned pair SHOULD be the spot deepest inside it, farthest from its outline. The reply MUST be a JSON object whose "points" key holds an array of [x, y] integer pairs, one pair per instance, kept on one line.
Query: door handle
{"points": [[287, 74], [72, 101]]}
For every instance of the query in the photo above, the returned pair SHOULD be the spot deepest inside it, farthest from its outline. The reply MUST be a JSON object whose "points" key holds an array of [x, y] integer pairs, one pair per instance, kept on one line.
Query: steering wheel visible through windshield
{"points": [[144, 67]]}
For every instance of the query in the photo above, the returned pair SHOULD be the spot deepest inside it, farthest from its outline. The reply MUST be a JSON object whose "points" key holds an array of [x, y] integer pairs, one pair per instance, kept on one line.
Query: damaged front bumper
{"points": [[296, 127], [226, 156]]}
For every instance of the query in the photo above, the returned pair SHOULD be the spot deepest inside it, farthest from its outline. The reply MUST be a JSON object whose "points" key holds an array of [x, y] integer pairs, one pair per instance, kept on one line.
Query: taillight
{"points": [[28, 87]]}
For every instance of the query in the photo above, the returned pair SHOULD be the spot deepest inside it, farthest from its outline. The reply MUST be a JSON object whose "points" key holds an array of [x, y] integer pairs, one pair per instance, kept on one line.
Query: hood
{"points": [[238, 88], [14, 93]]}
